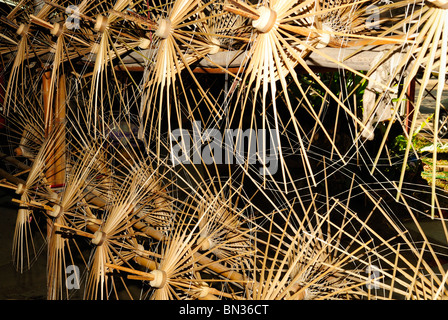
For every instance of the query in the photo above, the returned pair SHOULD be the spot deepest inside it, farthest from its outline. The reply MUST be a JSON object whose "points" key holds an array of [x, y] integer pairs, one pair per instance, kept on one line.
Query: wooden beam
{"points": [[48, 120], [9, 177], [59, 120], [217, 70], [14, 161], [357, 58]]}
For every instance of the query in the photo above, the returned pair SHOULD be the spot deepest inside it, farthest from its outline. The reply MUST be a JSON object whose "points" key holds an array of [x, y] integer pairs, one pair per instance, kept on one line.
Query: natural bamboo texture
{"points": [[94, 96]]}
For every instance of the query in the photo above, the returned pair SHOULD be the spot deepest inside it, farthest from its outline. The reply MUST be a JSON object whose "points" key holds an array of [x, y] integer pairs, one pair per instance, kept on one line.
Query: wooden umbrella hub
{"points": [[324, 37], [23, 29], [101, 24], [215, 46], [159, 279], [20, 188], [57, 30], [205, 243], [164, 29], [99, 238], [55, 212], [443, 4], [267, 20], [144, 43]]}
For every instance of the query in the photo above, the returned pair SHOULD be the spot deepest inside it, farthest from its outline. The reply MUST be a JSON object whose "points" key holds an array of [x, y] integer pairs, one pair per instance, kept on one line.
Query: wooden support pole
{"points": [[48, 121], [146, 262], [49, 172], [14, 161], [410, 104], [221, 269], [59, 120], [11, 178], [46, 99], [145, 275], [356, 58]]}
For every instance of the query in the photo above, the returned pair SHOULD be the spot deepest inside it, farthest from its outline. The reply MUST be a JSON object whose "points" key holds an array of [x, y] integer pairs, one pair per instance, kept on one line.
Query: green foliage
{"points": [[340, 84], [399, 144]]}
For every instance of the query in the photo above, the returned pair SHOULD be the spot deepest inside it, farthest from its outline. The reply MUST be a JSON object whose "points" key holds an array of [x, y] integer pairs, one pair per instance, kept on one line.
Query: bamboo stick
{"points": [[143, 274], [78, 232], [137, 19], [49, 124], [80, 14], [34, 204], [241, 12], [14, 161], [11, 178]]}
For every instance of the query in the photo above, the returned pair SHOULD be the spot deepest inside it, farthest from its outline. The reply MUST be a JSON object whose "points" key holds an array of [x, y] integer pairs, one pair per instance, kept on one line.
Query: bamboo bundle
{"points": [[18, 73], [426, 25], [124, 210], [284, 35], [35, 188], [226, 228], [27, 130], [182, 37]]}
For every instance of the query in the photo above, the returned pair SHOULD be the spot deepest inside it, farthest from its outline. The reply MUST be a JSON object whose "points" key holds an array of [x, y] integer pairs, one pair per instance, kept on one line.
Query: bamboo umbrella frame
{"points": [[35, 187], [224, 225], [117, 225], [22, 54], [405, 277], [276, 275], [273, 56], [104, 56], [430, 40], [26, 127], [82, 179], [85, 43], [198, 257], [207, 246], [176, 47]]}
